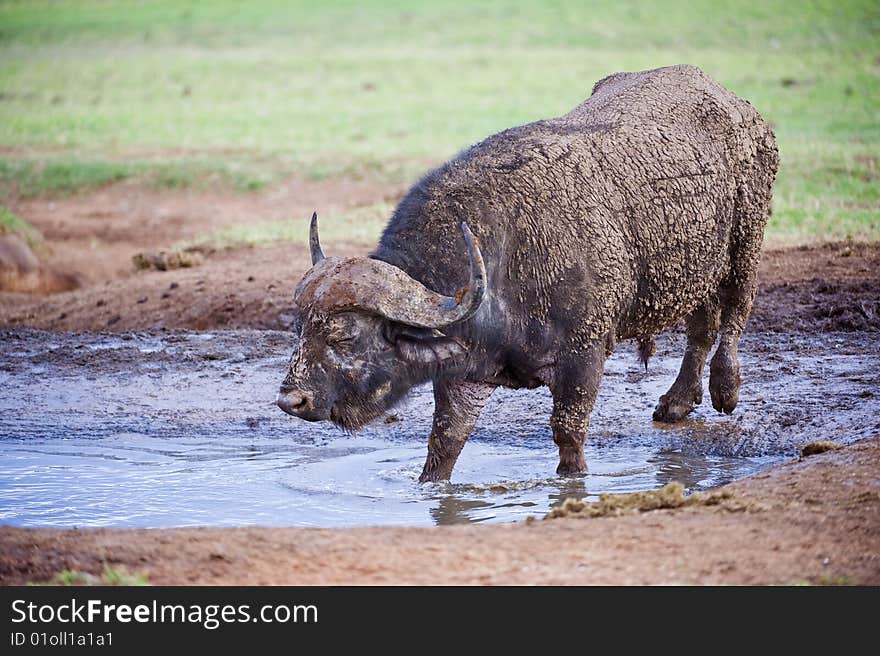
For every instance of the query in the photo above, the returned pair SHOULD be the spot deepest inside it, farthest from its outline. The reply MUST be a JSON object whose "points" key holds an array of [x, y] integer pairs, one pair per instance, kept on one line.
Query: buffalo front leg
{"points": [[457, 405], [575, 386]]}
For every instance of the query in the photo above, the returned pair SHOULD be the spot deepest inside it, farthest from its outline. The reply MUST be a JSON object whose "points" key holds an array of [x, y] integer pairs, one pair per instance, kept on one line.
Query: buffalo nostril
{"points": [[294, 402]]}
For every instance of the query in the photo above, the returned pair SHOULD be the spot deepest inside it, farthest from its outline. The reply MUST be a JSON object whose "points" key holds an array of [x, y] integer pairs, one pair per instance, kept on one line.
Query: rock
{"points": [[21, 271]]}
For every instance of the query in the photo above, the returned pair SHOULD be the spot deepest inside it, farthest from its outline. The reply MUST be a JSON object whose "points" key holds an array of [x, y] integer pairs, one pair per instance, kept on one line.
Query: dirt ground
{"points": [[93, 237], [815, 521]]}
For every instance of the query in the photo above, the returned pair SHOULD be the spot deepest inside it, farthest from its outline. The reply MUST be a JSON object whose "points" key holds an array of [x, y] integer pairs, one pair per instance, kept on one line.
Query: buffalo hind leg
{"points": [[687, 390], [724, 378], [457, 405], [574, 387], [737, 292]]}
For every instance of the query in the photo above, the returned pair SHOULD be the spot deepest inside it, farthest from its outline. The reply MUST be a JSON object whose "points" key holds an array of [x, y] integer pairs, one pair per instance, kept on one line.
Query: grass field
{"points": [[246, 93]]}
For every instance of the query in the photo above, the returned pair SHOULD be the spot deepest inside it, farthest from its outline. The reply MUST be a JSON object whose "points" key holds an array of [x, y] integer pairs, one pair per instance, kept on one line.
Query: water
{"points": [[178, 429]]}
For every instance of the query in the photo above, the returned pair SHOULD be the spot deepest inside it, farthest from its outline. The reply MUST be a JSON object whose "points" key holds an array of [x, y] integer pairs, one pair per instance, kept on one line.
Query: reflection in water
{"points": [[451, 509], [687, 470], [572, 488], [694, 471], [468, 504]]}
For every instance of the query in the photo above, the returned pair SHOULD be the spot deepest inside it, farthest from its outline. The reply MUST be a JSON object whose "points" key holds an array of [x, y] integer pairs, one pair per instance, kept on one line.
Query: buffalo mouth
{"points": [[307, 415], [311, 416], [352, 421]]}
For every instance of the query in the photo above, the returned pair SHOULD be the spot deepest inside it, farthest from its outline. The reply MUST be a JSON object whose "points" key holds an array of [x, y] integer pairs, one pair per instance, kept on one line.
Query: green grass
{"points": [[11, 223], [109, 576], [386, 88], [359, 225], [27, 177], [824, 581]]}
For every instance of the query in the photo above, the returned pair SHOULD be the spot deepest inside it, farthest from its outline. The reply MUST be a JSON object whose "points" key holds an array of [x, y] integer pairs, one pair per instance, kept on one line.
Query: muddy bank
{"points": [[832, 287], [814, 521]]}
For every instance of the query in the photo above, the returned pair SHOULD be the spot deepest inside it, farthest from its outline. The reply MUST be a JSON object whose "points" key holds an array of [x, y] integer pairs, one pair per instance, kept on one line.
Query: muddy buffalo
{"points": [[526, 258]]}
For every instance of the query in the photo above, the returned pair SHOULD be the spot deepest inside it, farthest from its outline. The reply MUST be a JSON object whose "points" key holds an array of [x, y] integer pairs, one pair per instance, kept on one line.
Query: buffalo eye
{"points": [[394, 332], [388, 332], [337, 339]]}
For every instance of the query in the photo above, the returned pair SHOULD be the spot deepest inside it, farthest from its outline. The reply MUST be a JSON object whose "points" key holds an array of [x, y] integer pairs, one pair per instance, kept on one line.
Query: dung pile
{"points": [[168, 260], [670, 495], [819, 446]]}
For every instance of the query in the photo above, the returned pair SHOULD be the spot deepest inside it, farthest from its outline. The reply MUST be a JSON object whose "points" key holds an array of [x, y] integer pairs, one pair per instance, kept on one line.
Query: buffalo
{"points": [[526, 258]]}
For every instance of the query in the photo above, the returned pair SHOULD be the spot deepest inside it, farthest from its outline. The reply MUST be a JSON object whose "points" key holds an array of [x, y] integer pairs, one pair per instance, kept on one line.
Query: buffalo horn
{"points": [[314, 243]]}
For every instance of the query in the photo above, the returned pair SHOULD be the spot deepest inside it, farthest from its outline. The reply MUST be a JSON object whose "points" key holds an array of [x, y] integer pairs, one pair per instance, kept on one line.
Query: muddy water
{"points": [[178, 429]]}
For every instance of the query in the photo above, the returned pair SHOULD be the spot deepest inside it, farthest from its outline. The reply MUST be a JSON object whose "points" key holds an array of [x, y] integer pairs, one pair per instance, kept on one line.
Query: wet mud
{"points": [[179, 429]]}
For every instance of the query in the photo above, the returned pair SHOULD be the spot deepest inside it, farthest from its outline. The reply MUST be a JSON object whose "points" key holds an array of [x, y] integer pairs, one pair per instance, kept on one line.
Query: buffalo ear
{"points": [[423, 345]]}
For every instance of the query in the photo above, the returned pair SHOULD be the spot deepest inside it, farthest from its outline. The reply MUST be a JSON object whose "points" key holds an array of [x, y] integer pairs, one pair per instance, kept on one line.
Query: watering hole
{"points": [[179, 429]]}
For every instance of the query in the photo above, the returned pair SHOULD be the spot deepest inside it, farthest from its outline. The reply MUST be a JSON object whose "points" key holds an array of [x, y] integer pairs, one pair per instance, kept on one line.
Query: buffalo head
{"points": [[368, 332]]}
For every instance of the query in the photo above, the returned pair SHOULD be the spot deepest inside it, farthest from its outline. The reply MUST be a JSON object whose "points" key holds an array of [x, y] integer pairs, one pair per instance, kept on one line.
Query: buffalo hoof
{"points": [[434, 476], [671, 409], [572, 466], [724, 399], [570, 471], [724, 383]]}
